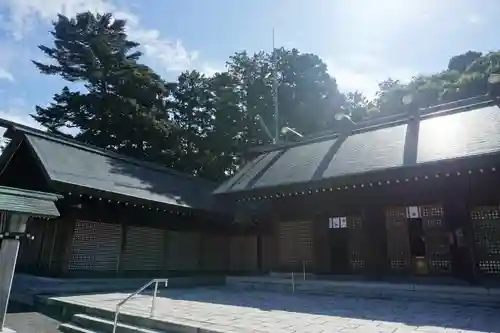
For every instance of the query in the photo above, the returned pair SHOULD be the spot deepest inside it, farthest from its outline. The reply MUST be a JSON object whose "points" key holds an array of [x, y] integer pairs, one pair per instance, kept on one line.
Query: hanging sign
{"points": [[337, 222], [343, 222], [413, 212]]}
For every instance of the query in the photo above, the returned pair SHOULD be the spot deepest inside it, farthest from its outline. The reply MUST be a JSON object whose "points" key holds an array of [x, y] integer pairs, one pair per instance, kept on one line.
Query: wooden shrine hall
{"points": [[407, 195], [119, 216]]}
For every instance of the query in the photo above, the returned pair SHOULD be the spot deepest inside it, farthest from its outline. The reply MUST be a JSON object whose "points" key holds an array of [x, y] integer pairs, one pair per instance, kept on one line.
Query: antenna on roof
{"points": [[264, 126], [275, 93]]}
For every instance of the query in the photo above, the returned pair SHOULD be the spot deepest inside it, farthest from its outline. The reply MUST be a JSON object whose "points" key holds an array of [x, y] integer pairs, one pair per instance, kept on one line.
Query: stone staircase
{"points": [[80, 318], [82, 323]]}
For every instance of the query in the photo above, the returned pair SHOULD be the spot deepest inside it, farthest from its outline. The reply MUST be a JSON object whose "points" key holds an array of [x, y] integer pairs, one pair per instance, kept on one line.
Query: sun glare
{"points": [[387, 14]]}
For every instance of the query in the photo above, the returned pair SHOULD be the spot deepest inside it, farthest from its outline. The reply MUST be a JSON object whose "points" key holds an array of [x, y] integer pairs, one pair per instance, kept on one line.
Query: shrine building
{"points": [[407, 195]]}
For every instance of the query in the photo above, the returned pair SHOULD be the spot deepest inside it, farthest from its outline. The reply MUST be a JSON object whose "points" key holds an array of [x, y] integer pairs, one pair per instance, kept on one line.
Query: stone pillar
{"points": [[8, 258]]}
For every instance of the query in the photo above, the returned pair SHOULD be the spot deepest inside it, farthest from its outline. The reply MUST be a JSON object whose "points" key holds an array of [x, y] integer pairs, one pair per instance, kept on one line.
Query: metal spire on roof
{"points": [[275, 94]]}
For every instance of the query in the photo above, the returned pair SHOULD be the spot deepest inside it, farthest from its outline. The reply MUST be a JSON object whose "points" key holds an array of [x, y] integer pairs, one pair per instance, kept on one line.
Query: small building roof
{"points": [[27, 202], [71, 163], [469, 129]]}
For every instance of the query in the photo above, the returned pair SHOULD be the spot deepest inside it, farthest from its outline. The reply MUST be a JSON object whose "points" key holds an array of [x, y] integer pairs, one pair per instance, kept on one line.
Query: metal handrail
{"points": [[138, 291]]}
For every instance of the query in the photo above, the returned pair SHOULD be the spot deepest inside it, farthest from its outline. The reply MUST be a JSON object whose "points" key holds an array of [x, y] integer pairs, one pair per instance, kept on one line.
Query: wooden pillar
{"points": [[376, 241], [166, 263], [123, 243], [53, 245], [201, 240], [259, 252], [321, 245], [45, 238], [270, 245], [66, 244]]}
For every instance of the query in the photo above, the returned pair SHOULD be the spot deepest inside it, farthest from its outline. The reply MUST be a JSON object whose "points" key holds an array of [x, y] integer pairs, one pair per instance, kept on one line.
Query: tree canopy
{"points": [[203, 124], [121, 104]]}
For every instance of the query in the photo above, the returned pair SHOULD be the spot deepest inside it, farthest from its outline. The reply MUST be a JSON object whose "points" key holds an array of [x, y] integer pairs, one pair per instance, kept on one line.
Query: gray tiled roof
{"points": [[456, 133], [28, 202], [76, 164], [373, 150], [461, 134]]}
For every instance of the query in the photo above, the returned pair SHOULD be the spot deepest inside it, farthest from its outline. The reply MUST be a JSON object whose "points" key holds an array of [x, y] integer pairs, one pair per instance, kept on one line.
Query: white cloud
{"points": [[20, 117], [363, 73], [166, 54], [210, 70], [6, 75]]}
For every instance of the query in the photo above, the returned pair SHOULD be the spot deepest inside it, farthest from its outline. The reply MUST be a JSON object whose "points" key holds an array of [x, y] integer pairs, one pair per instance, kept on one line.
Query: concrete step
{"points": [[104, 325], [78, 314], [71, 328]]}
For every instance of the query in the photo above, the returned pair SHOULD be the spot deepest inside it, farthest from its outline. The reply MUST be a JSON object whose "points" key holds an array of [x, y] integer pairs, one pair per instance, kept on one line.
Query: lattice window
{"points": [[490, 267], [395, 213], [433, 223], [399, 264], [440, 265], [428, 211], [355, 222], [357, 264], [485, 213]]}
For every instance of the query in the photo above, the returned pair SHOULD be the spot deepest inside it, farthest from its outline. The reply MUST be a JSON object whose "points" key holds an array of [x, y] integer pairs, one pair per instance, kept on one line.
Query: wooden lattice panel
{"points": [[400, 265], [432, 211], [144, 249], [437, 244], [96, 246], [487, 236], [490, 267], [398, 246], [485, 213], [433, 223], [355, 222], [296, 244], [443, 266], [357, 265], [395, 213], [357, 243], [486, 224]]}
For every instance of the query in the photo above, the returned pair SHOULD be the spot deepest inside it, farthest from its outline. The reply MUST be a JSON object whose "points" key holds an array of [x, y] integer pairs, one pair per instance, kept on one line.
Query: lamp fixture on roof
{"points": [[494, 85], [407, 99], [494, 78], [287, 129], [342, 116], [264, 127]]}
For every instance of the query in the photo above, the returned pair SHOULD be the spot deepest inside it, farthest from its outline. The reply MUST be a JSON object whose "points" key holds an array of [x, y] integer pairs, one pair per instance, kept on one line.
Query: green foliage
{"points": [[122, 104]]}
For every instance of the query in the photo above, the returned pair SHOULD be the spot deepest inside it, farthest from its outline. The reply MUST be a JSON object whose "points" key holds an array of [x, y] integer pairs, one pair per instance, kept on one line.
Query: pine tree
{"points": [[116, 102]]}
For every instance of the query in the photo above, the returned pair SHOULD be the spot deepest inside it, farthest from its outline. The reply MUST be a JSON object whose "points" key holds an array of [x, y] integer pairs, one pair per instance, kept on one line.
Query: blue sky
{"points": [[362, 41]]}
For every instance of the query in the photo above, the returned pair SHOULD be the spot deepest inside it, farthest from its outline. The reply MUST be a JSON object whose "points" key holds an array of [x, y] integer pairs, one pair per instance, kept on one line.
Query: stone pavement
{"points": [[23, 319], [254, 311]]}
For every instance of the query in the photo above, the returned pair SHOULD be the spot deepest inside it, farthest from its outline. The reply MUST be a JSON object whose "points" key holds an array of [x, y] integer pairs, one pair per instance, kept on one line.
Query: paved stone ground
{"points": [[272, 312], [22, 319]]}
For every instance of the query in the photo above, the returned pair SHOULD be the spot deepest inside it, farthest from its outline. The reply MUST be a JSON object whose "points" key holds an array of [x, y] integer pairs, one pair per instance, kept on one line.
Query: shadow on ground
{"points": [[24, 319], [414, 313]]}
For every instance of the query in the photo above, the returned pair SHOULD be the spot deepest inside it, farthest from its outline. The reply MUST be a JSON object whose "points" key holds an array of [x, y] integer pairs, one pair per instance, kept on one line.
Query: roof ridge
{"points": [[94, 149], [390, 121]]}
